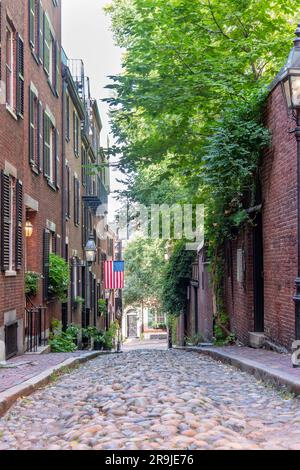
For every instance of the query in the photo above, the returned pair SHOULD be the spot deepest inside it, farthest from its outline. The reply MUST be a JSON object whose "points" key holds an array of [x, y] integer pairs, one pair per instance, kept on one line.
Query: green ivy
{"points": [[32, 283], [59, 277], [176, 279]]}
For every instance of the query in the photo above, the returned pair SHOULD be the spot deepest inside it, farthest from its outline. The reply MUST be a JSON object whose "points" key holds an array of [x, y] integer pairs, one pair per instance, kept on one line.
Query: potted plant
{"points": [[99, 341], [101, 307]]}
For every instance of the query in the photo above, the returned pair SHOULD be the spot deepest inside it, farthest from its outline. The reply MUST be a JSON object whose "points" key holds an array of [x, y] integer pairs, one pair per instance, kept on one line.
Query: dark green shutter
{"points": [[31, 128], [31, 5], [19, 225], [5, 220], [20, 76], [41, 33], [46, 261], [40, 136], [47, 155]]}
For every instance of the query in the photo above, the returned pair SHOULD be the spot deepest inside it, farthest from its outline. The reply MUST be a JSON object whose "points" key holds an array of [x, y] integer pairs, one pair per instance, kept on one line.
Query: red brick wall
{"points": [[11, 151], [278, 174], [36, 186], [279, 185]]}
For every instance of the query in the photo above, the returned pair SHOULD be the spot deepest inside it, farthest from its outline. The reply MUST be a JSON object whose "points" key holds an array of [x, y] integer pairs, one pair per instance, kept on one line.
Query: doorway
{"points": [[132, 326]]}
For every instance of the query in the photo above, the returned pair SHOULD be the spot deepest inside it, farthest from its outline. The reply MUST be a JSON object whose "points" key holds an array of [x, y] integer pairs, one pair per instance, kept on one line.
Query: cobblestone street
{"points": [[153, 400]]}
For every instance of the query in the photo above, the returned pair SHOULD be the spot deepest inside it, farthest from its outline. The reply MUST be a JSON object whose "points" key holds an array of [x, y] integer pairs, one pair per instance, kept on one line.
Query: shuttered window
{"points": [[47, 146], [56, 158], [51, 152], [34, 124], [67, 117], [41, 34], [57, 68], [47, 44], [11, 223], [5, 221], [10, 67], [46, 255], [19, 225]]}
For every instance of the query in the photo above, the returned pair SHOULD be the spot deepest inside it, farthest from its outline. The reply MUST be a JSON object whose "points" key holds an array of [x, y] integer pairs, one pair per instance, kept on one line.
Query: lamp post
{"points": [[90, 250], [290, 80]]}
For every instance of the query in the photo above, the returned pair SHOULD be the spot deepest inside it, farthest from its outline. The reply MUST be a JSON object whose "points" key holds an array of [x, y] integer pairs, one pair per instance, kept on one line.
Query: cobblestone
{"points": [[153, 400]]}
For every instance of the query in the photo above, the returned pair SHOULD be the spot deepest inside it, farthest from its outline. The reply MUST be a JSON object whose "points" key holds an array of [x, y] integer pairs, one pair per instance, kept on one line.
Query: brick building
{"points": [[12, 132], [54, 177]]}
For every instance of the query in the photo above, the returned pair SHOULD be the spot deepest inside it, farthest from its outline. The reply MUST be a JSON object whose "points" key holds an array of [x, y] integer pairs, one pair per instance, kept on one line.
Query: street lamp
{"points": [[90, 250], [28, 229], [290, 79]]}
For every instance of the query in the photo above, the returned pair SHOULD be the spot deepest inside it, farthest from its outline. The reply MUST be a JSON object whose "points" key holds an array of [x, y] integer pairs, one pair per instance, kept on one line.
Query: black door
{"points": [[258, 268]]}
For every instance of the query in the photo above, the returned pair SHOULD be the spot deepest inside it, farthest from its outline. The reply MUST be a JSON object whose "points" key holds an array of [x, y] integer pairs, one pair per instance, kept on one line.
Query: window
{"points": [[51, 56], [67, 117], [35, 130], [11, 223], [10, 67], [76, 133], [51, 157]]}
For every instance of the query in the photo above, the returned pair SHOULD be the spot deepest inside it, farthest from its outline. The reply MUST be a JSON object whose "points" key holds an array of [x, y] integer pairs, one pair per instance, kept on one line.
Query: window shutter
{"points": [[31, 127], [19, 225], [47, 44], [0, 40], [58, 67], [31, 5], [68, 190], [5, 220], [46, 255], [40, 136], [20, 76], [41, 33], [46, 147], [74, 132], [56, 163]]}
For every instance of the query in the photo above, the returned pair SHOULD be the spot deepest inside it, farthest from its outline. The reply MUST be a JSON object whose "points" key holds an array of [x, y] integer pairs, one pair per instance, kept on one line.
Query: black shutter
{"points": [[19, 225], [5, 220], [46, 255], [20, 76]]}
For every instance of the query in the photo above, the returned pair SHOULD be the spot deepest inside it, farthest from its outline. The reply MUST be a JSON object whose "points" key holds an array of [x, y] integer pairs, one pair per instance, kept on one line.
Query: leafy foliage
{"points": [[176, 279], [59, 277], [144, 261], [32, 283], [61, 341]]}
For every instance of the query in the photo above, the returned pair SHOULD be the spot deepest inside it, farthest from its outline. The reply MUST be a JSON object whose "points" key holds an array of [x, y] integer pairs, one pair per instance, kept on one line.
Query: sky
{"points": [[86, 35]]}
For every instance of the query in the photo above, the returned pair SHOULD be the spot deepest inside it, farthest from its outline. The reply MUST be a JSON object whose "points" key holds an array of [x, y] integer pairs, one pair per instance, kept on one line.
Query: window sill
{"points": [[52, 88], [11, 112], [51, 185], [37, 60], [34, 169], [10, 273]]}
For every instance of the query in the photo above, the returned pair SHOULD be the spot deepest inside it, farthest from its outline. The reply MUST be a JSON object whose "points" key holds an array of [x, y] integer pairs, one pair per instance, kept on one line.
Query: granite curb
{"points": [[279, 379], [11, 395]]}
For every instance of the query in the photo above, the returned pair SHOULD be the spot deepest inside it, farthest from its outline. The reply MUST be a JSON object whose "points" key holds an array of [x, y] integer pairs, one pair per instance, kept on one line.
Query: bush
{"points": [[109, 336], [61, 341], [32, 283], [59, 277], [101, 307]]}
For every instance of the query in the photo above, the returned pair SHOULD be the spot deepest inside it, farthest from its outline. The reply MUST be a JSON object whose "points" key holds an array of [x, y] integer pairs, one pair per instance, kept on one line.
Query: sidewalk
{"points": [[27, 373], [268, 366]]}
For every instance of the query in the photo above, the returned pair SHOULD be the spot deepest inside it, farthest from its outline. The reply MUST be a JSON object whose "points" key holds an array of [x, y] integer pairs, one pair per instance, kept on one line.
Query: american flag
{"points": [[113, 274]]}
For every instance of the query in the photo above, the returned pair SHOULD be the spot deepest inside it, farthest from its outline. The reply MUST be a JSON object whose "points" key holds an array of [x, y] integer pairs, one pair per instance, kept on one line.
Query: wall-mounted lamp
{"points": [[28, 229]]}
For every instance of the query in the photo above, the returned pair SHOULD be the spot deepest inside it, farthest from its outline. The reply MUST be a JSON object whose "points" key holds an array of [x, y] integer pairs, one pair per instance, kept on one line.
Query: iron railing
{"points": [[36, 328]]}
